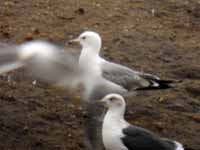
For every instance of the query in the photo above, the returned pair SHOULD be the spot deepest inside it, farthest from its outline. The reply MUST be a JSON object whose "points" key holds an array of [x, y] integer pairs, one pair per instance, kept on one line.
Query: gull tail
{"points": [[160, 84], [155, 84], [179, 146], [173, 144]]}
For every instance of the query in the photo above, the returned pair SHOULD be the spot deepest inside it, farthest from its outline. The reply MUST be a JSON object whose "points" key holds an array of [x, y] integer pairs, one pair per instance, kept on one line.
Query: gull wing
{"points": [[131, 79], [44, 60], [140, 138]]}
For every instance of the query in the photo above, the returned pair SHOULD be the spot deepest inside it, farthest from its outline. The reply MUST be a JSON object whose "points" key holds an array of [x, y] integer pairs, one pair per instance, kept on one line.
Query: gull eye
{"points": [[84, 37], [112, 99]]}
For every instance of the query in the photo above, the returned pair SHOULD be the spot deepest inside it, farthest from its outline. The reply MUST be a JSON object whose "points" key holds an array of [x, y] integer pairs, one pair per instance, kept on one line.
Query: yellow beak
{"points": [[77, 40]]}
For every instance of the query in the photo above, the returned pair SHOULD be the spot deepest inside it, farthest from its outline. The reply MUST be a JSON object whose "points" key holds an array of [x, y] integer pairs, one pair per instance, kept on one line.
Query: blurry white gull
{"points": [[90, 61], [118, 134], [44, 60], [54, 65]]}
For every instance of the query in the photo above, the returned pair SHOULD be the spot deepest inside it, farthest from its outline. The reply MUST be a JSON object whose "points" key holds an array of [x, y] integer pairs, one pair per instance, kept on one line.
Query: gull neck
{"points": [[114, 113]]}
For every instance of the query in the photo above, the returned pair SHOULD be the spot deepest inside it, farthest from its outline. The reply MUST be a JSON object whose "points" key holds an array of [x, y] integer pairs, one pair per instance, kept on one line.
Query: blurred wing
{"points": [[10, 66], [46, 61], [9, 58], [61, 69]]}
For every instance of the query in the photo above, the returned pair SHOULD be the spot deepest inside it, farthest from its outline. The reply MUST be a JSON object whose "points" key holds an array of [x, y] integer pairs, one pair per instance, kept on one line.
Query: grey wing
{"points": [[142, 139], [123, 76], [131, 79]]}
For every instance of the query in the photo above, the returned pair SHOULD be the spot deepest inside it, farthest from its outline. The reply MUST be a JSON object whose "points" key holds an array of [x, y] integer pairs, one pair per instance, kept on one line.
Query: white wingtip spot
{"points": [[40, 48], [179, 146]]}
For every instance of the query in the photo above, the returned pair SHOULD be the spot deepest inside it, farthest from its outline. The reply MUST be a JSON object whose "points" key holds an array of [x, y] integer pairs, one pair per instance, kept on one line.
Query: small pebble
{"points": [[153, 12], [34, 82]]}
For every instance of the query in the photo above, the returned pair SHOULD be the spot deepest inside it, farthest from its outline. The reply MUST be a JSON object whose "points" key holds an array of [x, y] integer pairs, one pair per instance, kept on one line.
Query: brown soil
{"points": [[160, 37]]}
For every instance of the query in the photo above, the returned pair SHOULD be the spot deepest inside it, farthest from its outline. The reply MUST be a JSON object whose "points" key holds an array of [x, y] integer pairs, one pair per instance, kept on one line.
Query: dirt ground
{"points": [[155, 36]]}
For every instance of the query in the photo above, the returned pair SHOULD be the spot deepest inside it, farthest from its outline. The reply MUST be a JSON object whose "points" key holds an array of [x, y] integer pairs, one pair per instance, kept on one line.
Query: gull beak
{"points": [[103, 101], [77, 40]]}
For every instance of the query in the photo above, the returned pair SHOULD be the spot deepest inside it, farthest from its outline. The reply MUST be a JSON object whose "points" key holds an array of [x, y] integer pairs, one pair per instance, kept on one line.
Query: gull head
{"points": [[114, 101], [89, 40]]}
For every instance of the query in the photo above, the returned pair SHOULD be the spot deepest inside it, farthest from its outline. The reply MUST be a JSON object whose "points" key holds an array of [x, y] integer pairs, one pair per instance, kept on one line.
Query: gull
{"points": [[118, 134], [91, 62], [54, 64]]}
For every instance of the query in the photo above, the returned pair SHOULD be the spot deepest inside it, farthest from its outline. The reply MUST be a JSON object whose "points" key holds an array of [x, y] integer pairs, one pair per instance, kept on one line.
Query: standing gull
{"points": [[123, 76], [118, 134]]}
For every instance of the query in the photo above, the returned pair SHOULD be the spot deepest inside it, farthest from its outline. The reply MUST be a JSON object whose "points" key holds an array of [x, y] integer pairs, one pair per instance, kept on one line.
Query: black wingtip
{"points": [[163, 87], [162, 84]]}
